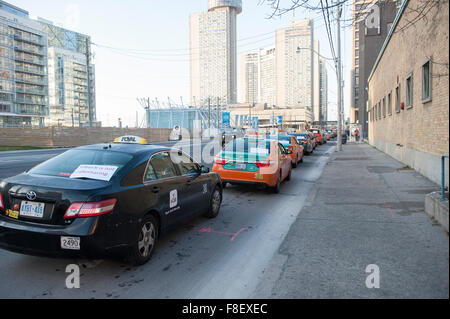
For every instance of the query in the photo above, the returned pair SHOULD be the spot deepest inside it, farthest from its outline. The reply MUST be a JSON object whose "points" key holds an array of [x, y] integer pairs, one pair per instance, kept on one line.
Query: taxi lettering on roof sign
{"points": [[130, 140]]}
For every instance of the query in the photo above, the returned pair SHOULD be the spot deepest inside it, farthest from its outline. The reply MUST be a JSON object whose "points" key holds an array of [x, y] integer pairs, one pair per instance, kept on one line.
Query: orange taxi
{"points": [[291, 143], [318, 132], [254, 161]]}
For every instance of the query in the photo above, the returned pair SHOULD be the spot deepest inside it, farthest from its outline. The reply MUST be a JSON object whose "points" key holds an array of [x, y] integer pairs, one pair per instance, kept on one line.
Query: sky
{"points": [[141, 47]]}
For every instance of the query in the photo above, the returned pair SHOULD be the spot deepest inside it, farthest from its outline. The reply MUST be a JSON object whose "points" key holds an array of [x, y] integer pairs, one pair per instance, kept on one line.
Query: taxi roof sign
{"points": [[129, 139]]}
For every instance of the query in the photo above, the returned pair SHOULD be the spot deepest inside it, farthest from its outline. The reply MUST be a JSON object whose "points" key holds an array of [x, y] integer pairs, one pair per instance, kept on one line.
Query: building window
{"points": [[384, 107], [397, 99], [409, 91], [357, 44], [389, 103], [426, 82], [356, 71], [356, 61], [356, 35], [356, 52], [379, 110], [357, 26]]}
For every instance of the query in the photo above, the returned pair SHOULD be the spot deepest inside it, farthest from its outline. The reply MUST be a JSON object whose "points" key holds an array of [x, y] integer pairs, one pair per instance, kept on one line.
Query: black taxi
{"points": [[107, 199]]}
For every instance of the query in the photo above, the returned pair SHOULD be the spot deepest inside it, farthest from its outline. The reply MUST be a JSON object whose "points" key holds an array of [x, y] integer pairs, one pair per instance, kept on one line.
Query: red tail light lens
{"points": [[220, 161], [2, 206], [262, 164], [291, 148], [77, 210]]}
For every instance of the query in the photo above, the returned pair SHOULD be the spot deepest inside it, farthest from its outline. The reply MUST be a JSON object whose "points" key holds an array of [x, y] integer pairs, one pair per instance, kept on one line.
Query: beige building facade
{"points": [[409, 90]]}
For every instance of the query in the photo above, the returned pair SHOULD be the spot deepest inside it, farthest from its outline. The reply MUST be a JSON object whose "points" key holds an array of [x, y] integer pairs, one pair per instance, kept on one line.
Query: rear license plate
{"points": [[241, 166], [72, 243], [32, 209]]}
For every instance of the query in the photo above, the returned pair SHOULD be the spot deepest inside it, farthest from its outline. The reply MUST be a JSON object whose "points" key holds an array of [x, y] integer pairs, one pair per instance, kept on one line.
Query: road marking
{"points": [[385, 205]]}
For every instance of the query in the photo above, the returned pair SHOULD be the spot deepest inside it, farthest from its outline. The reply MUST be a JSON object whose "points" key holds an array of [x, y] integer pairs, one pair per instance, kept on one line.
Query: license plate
{"points": [[72, 243], [12, 214], [241, 166], [32, 209], [258, 176]]}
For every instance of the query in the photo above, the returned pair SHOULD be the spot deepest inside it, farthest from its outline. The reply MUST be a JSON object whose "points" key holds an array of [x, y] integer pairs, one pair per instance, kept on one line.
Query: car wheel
{"points": [[288, 178], [294, 165], [277, 187], [144, 241], [301, 160], [214, 203]]}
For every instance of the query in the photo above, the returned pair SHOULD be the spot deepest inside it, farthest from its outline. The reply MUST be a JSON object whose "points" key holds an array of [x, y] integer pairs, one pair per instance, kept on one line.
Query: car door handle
{"points": [[155, 189]]}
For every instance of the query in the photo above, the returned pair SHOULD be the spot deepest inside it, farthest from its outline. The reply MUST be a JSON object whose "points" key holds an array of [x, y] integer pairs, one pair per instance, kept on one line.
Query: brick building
{"points": [[409, 88]]}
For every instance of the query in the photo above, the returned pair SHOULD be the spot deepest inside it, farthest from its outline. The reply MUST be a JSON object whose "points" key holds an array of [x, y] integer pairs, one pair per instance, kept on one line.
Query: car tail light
{"points": [[262, 164], [291, 148], [220, 161], [90, 209], [2, 206]]}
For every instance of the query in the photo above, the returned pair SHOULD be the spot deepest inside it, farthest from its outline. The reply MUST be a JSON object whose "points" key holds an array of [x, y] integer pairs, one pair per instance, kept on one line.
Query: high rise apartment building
{"points": [[294, 50], [71, 77], [213, 55], [23, 69]]}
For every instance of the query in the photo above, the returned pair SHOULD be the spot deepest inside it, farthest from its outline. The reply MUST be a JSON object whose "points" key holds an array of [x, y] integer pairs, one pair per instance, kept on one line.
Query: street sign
{"points": [[279, 119], [226, 119]]}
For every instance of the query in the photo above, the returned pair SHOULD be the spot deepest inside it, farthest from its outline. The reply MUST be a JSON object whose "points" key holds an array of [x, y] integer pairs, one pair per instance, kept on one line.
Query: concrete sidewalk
{"points": [[365, 209]]}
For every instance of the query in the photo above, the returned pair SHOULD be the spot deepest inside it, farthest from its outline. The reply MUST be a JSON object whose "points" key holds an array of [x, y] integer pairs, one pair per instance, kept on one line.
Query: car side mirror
{"points": [[204, 170], [289, 152]]}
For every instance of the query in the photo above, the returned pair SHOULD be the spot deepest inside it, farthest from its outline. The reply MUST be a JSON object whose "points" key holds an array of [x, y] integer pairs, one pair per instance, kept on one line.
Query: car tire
{"points": [[144, 242], [301, 160], [294, 165], [276, 189], [214, 203], [288, 178]]}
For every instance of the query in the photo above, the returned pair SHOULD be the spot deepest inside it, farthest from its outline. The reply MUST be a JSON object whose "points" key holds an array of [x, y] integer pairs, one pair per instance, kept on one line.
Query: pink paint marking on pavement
{"points": [[210, 230], [235, 235], [389, 209]]}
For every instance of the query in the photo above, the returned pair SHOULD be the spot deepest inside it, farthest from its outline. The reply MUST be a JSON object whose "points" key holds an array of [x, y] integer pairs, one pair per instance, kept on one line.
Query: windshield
{"points": [[66, 163], [315, 131]]}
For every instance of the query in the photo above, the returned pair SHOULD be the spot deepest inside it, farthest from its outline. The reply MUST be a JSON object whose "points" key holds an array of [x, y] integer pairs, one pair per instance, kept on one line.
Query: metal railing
{"points": [[443, 176]]}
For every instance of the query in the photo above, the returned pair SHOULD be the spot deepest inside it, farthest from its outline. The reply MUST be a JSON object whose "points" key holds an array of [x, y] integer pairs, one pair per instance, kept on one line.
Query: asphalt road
{"points": [[221, 258]]}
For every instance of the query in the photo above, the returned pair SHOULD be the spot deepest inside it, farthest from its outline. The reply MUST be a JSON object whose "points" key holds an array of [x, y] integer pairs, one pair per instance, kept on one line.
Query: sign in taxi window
{"points": [[259, 150]]}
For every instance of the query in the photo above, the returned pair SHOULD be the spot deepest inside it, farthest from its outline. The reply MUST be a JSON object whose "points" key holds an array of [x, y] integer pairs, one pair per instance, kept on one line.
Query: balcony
{"points": [[29, 101], [31, 91], [30, 49], [41, 82], [29, 70], [36, 61], [33, 40]]}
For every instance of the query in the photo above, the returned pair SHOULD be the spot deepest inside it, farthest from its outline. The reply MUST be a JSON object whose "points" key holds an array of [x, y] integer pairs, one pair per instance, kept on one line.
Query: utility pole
{"points": [[209, 115], [218, 113], [339, 77]]}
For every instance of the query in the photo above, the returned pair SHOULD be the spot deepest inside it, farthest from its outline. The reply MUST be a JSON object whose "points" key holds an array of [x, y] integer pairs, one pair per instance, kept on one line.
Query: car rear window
{"points": [[315, 131], [249, 146], [66, 163], [300, 136]]}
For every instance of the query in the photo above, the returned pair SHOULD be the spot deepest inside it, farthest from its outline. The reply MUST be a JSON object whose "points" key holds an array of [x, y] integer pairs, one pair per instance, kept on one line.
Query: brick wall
{"points": [[69, 137], [423, 129]]}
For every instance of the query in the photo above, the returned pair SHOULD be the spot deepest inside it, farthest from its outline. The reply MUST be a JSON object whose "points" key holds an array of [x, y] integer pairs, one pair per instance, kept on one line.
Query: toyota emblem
{"points": [[31, 195]]}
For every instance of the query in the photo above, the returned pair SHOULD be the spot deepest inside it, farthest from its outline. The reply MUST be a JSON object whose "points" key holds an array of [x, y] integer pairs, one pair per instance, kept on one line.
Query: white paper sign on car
{"points": [[257, 150], [98, 172]]}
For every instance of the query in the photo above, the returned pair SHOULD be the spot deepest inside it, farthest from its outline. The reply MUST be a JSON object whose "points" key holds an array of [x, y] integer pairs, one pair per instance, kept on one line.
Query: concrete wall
{"points": [[68, 137], [418, 135]]}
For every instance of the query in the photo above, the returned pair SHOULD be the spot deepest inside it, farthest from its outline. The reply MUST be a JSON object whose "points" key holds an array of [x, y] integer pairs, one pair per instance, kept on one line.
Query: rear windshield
{"points": [[281, 138], [249, 146], [300, 136], [315, 131], [66, 163]]}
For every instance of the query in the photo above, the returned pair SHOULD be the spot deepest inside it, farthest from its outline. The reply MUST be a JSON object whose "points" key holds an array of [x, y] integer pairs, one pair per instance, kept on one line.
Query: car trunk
{"points": [[53, 196]]}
